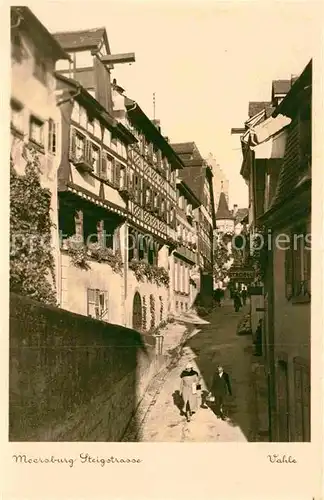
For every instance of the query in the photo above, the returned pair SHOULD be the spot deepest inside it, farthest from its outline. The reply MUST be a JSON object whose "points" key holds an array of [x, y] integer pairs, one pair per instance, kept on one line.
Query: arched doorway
{"points": [[137, 312]]}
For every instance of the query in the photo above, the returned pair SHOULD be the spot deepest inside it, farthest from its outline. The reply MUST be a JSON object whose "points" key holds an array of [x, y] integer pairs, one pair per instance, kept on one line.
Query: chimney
{"points": [[157, 123], [235, 209], [118, 100]]}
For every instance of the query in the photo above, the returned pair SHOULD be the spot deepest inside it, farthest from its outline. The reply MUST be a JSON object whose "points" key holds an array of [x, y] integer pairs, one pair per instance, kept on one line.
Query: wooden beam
{"points": [[237, 130], [118, 58]]}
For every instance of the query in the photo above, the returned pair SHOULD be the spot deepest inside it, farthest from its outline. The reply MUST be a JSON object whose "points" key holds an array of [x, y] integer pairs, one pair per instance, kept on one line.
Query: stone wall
{"points": [[73, 378]]}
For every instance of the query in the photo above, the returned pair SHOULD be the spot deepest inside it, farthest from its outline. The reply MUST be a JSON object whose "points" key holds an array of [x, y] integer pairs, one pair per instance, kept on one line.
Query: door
{"points": [[137, 312], [283, 402]]}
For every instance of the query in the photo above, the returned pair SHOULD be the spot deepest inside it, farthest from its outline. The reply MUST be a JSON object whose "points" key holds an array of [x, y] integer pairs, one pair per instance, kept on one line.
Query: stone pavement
{"points": [[209, 344]]}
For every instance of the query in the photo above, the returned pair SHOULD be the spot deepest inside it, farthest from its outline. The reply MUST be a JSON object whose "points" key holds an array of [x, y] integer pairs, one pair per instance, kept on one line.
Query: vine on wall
{"points": [[153, 274], [152, 308], [161, 308], [31, 252], [144, 312]]}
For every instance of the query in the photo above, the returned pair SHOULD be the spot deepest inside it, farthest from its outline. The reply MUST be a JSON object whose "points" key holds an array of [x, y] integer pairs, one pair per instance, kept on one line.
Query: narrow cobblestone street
{"points": [[216, 342]]}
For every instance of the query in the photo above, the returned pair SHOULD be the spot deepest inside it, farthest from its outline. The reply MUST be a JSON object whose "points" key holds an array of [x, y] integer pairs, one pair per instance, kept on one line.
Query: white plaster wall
{"points": [[38, 100]]}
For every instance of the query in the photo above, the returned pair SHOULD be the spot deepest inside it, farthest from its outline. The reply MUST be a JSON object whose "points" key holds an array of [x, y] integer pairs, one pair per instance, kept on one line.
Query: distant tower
{"points": [[224, 217], [220, 182]]}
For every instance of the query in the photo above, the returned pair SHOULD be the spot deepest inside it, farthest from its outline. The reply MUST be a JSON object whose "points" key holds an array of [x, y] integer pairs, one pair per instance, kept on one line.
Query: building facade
{"points": [[185, 276], [117, 189], [277, 165], [35, 117], [198, 175]]}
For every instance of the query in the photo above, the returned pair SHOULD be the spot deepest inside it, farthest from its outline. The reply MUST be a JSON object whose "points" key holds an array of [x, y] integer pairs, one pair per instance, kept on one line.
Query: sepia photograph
{"points": [[160, 223]]}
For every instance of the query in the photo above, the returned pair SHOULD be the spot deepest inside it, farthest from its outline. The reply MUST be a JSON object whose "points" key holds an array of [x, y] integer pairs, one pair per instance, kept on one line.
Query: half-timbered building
{"points": [[117, 191], [198, 175]]}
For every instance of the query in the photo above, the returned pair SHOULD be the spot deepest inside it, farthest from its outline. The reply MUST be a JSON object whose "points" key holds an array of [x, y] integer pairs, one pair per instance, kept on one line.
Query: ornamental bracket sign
{"points": [[241, 273]]}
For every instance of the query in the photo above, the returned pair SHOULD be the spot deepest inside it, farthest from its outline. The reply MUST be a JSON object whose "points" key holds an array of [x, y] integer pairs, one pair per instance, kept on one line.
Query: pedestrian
{"points": [[218, 296], [220, 387], [244, 296], [189, 388], [237, 301], [258, 339]]}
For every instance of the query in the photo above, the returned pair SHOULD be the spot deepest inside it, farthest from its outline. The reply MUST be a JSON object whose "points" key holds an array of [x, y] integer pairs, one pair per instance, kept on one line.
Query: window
{"points": [[17, 116], [95, 158], [36, 131], [97, 304], [80, 145], [51, 136], [298, 265], [40, 69], [104, 166], [110, 169]]}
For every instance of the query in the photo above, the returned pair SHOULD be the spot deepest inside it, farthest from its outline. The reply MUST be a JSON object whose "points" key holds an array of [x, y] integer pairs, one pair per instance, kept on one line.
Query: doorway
{"points": [[137, 312]]}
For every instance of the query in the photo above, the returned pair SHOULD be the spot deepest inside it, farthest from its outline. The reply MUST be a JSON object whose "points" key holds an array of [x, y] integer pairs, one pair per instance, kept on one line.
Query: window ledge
{"points": [[37, 146], [303, 299], [16, 132]]}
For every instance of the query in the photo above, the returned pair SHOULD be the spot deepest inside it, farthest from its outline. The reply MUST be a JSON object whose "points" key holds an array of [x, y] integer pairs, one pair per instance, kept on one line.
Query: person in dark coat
{"points": [[244, 296], [258, 339], [220, 387], [189, 388], [237, 302]]}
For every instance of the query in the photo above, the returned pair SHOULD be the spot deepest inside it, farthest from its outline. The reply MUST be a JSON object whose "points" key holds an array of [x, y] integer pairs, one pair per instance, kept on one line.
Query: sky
{"points": [[204, 60]]}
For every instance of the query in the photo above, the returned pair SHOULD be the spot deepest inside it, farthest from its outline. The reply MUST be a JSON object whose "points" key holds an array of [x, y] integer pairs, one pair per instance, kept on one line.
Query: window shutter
{"points": [[288, 272], [117, 174], [103, 170], [72, 149], [91, 302]]}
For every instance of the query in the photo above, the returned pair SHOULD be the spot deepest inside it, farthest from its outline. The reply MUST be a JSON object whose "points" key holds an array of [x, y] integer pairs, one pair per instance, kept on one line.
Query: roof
{"points": [[223, 211], [188, 151], [289, 104], [135, 112], [43, 38], [256, 106], [281, 86], [82, 39], [241, 214]]}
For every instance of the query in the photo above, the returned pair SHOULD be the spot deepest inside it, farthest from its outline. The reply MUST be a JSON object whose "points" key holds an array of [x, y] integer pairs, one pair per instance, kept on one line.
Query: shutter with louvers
{"points": [[103, 170], [72, 149], [117, 174], [88, 152]]}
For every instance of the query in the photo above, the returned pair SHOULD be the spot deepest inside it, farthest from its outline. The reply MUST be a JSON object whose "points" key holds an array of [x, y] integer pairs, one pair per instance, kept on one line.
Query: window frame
{"points": [[41, 124], [52, 137]]}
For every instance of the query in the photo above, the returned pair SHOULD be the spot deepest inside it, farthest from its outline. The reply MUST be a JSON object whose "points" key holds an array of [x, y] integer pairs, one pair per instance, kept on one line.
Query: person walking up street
{"points": [[220, 387], [189, 389], [237, 302]]}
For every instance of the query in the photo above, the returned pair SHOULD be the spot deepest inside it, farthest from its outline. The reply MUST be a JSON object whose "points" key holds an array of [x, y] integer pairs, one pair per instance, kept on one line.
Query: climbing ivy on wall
{"points": [[152, 307], [31, 256]]}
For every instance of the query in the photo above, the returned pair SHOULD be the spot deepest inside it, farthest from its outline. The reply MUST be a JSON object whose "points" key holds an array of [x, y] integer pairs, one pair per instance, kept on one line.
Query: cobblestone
{"points": [[206, 346]]}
